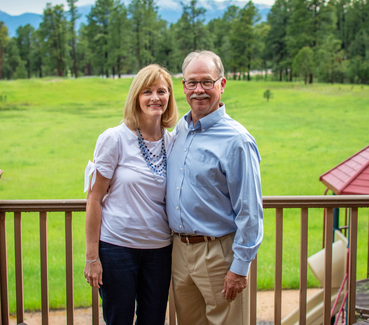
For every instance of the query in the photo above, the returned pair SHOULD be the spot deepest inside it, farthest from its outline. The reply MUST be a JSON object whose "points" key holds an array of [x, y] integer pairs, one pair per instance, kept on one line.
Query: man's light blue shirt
{"points": [[213, 186]]}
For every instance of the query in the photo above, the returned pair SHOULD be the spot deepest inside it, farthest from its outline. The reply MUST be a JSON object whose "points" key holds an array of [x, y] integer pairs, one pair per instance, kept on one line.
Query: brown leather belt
{"points": [[194, 239]]}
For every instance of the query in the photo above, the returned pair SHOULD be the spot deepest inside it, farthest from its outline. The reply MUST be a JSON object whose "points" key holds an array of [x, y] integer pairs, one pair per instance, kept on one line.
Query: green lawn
{"points": [[48, 130]]}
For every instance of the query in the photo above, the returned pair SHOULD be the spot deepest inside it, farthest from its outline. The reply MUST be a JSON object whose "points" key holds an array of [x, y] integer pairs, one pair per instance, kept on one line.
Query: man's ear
{"points": [[222, 84]]}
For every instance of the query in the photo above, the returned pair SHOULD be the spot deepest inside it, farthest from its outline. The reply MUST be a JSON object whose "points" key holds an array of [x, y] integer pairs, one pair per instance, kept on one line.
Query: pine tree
{"points": [[275, 43], [303, 63], [11, 59], [24, 42], [73, 14], [54, 31], [242, 39], [311, 22], [146, 27], [3, 42], [192, 33], [119, 40], [98, 35]]}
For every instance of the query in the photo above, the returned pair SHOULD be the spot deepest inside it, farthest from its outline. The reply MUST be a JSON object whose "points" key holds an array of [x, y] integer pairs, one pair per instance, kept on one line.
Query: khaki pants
{"points": [[198, 272]]}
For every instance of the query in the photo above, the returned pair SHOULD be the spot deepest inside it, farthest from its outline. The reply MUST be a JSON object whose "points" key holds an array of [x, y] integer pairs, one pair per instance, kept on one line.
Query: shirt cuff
{"points": [[240, 267]]}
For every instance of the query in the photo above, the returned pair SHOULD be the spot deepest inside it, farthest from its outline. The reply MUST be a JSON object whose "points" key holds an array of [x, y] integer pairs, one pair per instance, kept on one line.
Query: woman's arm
{"points": [[93, 271]]}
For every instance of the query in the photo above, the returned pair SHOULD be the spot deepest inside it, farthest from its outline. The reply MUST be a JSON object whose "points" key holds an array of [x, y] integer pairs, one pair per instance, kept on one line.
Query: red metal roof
{"points": [[350, 176]]}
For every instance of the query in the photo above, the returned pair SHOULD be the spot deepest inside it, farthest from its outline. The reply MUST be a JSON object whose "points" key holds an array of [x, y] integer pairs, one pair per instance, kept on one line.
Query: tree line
{"points": [[309, 39]]}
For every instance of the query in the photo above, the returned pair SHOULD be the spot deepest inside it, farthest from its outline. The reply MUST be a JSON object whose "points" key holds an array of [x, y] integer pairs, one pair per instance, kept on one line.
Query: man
{"points": [[214, 201]]}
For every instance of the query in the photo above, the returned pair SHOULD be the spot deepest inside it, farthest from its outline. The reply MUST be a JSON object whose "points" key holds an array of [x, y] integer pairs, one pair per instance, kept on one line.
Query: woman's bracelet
{"points": [[89, 262]]}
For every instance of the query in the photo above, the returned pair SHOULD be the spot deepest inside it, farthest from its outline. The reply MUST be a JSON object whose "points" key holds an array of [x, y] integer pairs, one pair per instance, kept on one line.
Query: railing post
{"points": [[328, 266], [18, 265], [278, 266], [303, 265], [3, 272], [95, 306], [69, 266], [352, 267], [44, 272], [253, 291]]}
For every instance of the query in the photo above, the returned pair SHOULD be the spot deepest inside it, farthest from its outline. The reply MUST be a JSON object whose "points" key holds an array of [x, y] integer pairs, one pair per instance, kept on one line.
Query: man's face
{"points": [[203, 101]]}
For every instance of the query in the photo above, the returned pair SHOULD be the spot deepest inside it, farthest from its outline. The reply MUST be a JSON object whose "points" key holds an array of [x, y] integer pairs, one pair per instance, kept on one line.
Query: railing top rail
{"points": [[42, 205], [316, 201], [312, 201]]}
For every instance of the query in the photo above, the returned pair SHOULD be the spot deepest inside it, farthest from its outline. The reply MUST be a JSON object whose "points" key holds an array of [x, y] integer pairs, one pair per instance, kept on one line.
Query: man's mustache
{"points": [[203, 96]]}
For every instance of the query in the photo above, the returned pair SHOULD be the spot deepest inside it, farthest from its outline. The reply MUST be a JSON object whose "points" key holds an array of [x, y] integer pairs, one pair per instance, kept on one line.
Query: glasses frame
{"points": [[200, 82]]}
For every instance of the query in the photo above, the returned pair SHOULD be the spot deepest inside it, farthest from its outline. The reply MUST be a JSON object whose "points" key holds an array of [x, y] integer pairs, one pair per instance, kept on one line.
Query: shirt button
{"points": [[191, 132], [185, 150], [203, 130], [177, 208], [181, 168], [177, 188], [180, 226]]}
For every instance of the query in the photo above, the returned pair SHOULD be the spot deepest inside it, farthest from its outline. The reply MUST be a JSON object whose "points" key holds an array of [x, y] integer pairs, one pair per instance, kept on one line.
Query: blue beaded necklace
{"points": [[152, 161]]}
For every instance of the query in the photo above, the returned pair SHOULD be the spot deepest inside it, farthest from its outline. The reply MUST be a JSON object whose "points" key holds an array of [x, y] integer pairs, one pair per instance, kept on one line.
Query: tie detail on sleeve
{"points": [[90, 169]]}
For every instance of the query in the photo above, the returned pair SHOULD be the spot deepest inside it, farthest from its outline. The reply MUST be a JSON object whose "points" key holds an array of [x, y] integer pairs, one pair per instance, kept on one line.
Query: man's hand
{"points": [[234, 284]]}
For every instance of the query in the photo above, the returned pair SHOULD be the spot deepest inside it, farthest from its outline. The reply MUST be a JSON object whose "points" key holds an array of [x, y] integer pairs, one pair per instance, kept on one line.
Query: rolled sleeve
{"points": [[106, 157]]}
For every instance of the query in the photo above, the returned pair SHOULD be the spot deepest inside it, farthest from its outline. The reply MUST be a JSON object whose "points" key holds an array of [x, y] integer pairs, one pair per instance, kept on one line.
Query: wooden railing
{"points": [[279, 203]]}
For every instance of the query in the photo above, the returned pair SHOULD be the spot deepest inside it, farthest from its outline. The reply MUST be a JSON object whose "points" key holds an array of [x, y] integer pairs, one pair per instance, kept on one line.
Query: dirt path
{"points": [[265, 311]]}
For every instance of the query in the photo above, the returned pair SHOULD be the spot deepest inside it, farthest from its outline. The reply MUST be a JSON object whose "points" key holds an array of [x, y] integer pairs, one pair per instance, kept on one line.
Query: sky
{"points": [[18, 7]]}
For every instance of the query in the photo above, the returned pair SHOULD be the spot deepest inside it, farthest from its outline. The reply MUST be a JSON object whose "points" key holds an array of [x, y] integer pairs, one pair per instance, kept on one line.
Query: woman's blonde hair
{"points": [[147, 77]]}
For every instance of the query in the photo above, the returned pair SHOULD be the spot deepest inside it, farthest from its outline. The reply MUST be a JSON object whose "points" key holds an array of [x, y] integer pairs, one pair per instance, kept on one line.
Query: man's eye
{"points": [[191, 83], [207, 82]]}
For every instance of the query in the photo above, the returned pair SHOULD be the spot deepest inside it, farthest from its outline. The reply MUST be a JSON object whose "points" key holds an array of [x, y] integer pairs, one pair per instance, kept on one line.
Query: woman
{"points": [[128, 241]]}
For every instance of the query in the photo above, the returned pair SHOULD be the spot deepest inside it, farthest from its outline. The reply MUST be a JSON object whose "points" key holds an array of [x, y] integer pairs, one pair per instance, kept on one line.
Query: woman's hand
{"points": [[93, 274]]}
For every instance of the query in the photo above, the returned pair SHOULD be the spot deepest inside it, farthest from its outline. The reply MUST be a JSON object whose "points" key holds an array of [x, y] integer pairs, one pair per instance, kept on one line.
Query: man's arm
{"points": [[243, 178]]}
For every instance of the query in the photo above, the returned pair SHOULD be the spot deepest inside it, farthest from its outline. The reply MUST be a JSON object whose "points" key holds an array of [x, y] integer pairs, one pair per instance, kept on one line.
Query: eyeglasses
{"points": [[205, 84]]}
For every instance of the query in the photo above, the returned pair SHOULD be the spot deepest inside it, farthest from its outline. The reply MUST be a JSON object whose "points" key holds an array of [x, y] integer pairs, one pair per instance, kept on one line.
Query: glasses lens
{"points": [[190, 84], [207, 84]]}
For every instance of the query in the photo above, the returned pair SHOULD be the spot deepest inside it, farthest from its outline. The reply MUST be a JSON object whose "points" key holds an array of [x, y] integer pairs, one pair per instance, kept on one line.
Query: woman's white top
{"points": [[133, 211]]}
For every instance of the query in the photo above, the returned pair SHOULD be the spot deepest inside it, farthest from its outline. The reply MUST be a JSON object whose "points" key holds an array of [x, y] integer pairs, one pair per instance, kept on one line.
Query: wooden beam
{"points": [[352, 267], [278, 266], [303, 265], [18, 266], [328, 266], [69, 266], [44, 270], [4, 299]]}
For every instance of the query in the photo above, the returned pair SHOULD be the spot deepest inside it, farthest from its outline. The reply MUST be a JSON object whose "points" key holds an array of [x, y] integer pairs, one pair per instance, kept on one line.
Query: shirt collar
{"points": [[208, 120]]}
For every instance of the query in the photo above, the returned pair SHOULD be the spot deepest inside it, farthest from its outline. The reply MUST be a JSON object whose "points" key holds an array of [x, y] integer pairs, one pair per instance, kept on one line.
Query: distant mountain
{"points": [[13, 22], [214, 9], [169, 10]]}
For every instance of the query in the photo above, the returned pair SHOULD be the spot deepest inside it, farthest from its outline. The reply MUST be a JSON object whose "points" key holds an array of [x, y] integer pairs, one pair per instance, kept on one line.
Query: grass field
{"points": [[48, 130]]}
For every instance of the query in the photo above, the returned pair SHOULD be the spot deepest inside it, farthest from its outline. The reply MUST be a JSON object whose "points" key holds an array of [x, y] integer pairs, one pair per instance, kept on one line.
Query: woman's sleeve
{"points": [[105, 157]]}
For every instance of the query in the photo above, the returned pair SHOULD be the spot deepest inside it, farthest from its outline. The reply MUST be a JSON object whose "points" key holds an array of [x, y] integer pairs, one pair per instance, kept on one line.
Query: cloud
{"points": [[169, 4]]}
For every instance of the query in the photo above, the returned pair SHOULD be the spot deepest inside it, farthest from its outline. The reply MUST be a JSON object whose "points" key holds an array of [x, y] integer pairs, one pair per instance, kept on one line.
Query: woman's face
{"points": [[154, 99]]}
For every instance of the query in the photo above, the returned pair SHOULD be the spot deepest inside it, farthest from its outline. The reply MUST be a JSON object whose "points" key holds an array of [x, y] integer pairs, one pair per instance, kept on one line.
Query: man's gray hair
{"points": [[217, 60]]}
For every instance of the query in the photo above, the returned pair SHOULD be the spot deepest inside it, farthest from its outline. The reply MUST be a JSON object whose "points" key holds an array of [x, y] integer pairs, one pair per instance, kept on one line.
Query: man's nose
{"points": [[199, 88]]}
